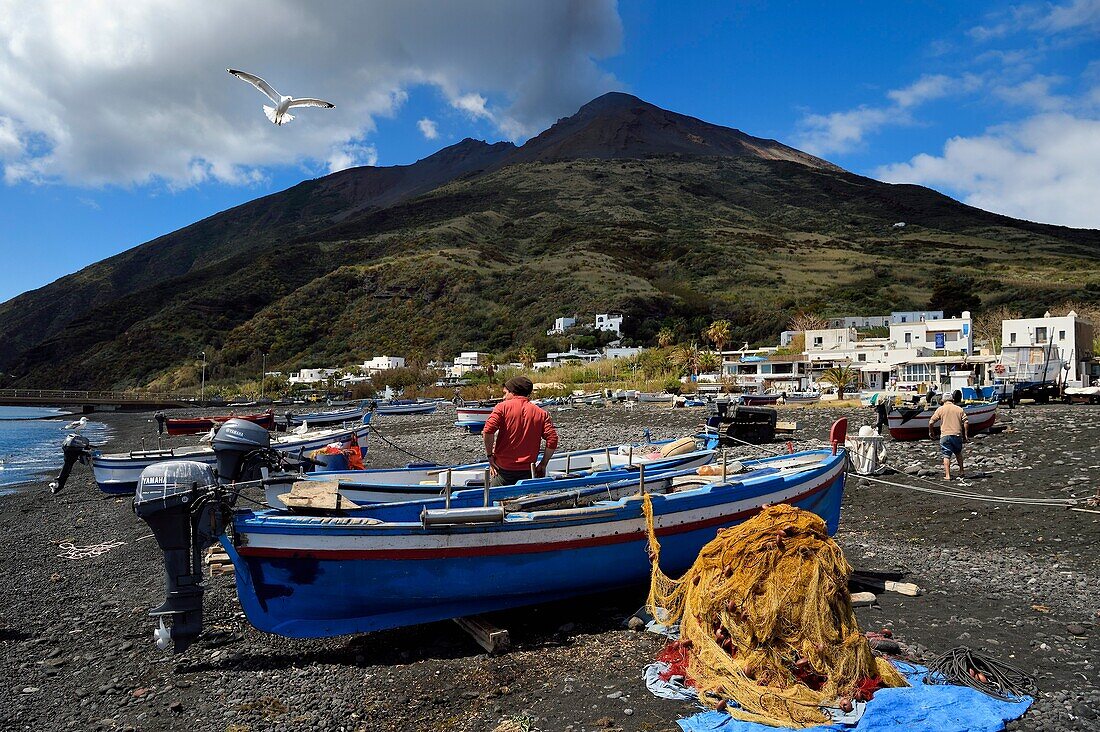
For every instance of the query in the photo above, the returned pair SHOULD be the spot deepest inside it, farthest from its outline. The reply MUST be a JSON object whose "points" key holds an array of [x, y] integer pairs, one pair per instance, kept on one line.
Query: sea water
{"points": [[30, 447]]}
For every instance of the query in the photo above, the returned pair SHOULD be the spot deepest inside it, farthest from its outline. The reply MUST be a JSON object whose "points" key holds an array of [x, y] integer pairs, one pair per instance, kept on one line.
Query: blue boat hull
{"points": [[375, 584]]}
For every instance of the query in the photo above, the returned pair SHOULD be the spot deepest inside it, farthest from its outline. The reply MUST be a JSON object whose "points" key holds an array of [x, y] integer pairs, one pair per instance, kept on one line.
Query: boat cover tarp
{"points": [[918, 707]]}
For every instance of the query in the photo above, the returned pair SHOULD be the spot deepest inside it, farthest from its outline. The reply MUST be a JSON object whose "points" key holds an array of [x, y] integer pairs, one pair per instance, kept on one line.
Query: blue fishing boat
{"points": [[338, 416], [334, 572], [311, 576]]}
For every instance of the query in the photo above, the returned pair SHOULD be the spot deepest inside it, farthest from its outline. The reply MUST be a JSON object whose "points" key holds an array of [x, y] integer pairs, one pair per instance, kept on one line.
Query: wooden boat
{"points": [[575, 469], [758, 400], [117, 473], [197, 425], [1082, 394], [308, 576], [408, 406], [804, 397], [912, 424], [646, 396], [339, 416], [471, 417]]}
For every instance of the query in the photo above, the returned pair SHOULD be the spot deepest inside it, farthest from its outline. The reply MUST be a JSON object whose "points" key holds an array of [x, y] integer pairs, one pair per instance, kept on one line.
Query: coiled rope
{"points": [[964, 667]]}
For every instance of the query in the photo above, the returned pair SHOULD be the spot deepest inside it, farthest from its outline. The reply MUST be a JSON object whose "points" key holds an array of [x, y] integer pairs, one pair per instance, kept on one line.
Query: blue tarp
{"points": [[918, 707]]}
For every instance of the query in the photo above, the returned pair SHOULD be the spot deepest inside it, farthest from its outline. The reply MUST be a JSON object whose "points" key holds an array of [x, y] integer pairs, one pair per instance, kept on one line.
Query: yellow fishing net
{"points": [[766, 620]]}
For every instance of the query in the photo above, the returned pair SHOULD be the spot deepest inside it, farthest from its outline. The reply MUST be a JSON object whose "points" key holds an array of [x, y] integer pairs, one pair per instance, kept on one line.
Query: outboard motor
{"points": [[75, 447], [235, 439], [180, 503], [188, 505]]}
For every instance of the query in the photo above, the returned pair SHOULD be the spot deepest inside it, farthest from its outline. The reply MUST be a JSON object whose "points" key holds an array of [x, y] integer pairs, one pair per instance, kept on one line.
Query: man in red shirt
{"points": [[514, 432]]}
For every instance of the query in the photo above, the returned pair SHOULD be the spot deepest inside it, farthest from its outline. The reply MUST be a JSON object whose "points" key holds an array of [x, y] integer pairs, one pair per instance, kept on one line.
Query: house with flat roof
{"points": [[1040, 349]]}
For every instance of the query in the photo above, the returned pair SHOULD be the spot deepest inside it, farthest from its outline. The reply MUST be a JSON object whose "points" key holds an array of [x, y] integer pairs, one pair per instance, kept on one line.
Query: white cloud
{"points": [[98, 93], [352, 155], [1036, 92], [10, 144], [1046, 168], [472, 104], [844, 131], [428, 128], [821, 134], [1078, 14]]}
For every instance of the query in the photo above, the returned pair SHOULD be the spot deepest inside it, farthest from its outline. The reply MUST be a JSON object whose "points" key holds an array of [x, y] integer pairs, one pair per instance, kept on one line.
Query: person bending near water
{"points": [[953, 432], [513, 434]]}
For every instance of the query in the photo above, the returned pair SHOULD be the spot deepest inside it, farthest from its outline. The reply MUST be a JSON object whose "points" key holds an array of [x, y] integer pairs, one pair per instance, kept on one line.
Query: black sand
{"points": [[1018, 582]]}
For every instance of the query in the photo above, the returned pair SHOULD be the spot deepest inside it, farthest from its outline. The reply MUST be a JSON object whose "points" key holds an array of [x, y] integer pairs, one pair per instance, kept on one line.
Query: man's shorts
{"points": [[951, 445]]}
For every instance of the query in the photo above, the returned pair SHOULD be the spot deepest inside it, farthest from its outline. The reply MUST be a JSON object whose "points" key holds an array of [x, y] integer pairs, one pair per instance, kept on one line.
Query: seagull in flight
{"points": [[279, 113]]}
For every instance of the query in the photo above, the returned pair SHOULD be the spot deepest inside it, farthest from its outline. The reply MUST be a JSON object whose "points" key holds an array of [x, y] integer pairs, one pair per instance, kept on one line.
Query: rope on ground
{"points": [[972, 496], [378, 432], [71, 551], [964, 667]]}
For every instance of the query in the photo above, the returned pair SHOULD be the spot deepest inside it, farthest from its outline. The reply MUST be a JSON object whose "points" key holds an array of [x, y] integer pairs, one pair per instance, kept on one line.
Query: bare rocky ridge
{"points": [[618, 125], [1017, 582]]}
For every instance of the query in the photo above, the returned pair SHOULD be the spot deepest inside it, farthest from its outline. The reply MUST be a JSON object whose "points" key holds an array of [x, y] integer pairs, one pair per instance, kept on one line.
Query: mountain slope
{"points": [[480, 246]]}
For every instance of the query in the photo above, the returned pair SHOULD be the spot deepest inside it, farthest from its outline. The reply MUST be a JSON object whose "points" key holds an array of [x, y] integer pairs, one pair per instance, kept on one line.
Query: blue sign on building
{"points": [[940, 340]]}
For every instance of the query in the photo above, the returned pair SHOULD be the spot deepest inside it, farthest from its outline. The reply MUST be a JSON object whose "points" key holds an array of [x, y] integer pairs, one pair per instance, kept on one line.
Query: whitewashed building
{"points": [[1038, 349], [609, 322], [311, 376], [466, 362], [951, 335], [382, 363], [900, 317], [561, 325]]}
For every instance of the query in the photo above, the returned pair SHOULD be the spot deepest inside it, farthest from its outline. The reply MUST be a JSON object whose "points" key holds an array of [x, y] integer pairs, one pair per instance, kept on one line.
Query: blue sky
{"points": [[118, 122]]}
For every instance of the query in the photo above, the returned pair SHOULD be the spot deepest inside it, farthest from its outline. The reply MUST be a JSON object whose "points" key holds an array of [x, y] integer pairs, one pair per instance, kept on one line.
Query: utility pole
{"points": [[202, 391], [263, 375]]}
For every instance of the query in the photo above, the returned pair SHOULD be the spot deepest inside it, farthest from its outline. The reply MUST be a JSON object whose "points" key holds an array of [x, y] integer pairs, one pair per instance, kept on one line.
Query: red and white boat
{"points": [[196, 425], [912, 424]]}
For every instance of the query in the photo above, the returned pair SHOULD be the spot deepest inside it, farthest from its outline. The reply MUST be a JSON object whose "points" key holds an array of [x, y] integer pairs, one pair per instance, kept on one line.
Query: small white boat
{"points": [[646, 396], [119, 472]]}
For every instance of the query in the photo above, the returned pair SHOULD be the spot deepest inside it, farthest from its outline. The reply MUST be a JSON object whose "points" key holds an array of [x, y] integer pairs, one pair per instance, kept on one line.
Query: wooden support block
{"points": [[863, 599], [487, 635], [786, 427], [903, 588]]}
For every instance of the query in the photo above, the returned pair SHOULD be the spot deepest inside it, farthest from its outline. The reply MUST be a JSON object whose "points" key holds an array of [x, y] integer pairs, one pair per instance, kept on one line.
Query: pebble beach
{"points": [[1018, 582]]}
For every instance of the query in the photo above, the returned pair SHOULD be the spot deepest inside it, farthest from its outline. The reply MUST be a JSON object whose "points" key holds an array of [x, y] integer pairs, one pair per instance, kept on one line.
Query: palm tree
{"points": [[686, 358], [665, 337], [527, 356], [718, 333], [841, 377], [710, 362]]}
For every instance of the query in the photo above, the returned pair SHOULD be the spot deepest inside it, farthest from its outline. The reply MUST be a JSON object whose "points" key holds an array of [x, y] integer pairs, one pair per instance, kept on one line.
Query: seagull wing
{"points": [[307, 102], [258, 83]]}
